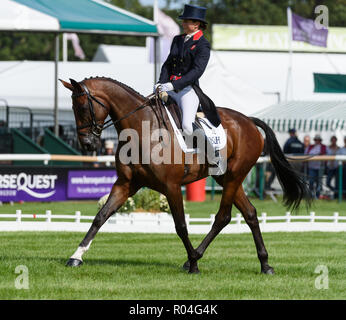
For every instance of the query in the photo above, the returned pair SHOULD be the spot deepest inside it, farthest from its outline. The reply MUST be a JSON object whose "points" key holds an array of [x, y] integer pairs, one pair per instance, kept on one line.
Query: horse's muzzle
{"points": [[90, 142]]}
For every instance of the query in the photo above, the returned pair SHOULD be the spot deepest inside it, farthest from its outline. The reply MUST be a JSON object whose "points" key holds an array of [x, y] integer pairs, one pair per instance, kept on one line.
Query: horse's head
{"points": [[90, 113]]}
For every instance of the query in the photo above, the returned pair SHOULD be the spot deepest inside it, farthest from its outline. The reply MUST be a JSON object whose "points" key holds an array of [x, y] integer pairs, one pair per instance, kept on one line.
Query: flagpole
{"points": [[56, 76], [155, 8], [289, 82], [64, 47], [156, 44]]}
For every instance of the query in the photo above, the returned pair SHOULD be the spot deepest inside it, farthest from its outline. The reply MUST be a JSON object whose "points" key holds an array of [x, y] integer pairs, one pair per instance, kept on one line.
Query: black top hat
{"points": [[194, 13]]}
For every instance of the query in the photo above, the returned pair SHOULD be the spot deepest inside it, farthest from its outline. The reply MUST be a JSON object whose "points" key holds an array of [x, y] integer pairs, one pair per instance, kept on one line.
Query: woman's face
{"points": [[190, 26]]}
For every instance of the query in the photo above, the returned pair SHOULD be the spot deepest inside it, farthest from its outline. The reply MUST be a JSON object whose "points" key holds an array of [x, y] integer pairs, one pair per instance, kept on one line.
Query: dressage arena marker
{"points": [[163, 223]]}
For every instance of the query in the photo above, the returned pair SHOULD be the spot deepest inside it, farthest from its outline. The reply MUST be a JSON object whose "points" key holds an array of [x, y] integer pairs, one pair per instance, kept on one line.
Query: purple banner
{"points": [[305, 30], [90, 184], [41, 184], [32, 185]]}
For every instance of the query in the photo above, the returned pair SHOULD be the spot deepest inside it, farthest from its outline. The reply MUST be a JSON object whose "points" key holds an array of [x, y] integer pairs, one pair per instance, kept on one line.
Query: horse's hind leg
{"points": [[250, 215], [119, 194], [223, 216]]}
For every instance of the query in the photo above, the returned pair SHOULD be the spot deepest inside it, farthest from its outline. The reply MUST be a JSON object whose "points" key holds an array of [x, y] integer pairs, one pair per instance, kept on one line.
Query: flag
{"points": [[167, 29], [78, 51], [305, 30]]}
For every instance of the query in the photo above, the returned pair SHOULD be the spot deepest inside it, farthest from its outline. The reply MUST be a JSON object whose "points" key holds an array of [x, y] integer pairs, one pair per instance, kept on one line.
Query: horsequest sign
{"points": [[53, 184], [34, 184], [271, 38]]}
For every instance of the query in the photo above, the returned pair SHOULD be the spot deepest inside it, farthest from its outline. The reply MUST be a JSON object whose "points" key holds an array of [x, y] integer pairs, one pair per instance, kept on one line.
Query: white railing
{"points": [[109, 159], [163, 223]]}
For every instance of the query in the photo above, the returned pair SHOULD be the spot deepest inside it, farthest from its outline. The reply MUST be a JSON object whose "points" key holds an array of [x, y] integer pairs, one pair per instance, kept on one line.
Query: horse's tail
{"points": [[293, 184]]}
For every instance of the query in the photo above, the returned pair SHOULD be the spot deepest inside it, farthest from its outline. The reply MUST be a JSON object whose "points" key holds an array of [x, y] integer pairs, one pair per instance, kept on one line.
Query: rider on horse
{"points": [[186, 63]]}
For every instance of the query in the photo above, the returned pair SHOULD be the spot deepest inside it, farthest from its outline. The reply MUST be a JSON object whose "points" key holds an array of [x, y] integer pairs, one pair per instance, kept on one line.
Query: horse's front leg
{"points": [[119, 194], [175, 201]]}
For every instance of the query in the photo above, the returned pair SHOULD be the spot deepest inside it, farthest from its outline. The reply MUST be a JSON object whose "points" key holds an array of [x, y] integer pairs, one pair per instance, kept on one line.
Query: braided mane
{"points": [[120, 84]]}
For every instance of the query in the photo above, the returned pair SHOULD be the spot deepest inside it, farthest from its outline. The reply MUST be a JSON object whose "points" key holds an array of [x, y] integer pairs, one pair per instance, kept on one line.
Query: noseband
{"points": [[96, 129]]}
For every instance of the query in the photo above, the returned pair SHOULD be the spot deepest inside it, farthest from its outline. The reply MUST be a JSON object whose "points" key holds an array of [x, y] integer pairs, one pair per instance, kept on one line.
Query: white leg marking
{"points": [[80, 251]]}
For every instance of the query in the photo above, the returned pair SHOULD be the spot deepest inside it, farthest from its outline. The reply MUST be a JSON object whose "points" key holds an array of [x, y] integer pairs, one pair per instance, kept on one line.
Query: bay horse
{"points": [[96, 98]]}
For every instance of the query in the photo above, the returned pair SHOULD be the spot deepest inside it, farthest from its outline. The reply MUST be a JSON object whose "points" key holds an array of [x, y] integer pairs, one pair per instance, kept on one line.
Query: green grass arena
{"points": [[149, 266]]}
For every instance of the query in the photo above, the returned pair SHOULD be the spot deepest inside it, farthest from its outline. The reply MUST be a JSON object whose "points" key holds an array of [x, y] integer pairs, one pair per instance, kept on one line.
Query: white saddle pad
{"points": [[217, 136]]}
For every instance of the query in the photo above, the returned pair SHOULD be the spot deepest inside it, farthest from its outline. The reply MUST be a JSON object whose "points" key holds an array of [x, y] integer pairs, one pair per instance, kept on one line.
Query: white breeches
{"points": [[188, 102]]}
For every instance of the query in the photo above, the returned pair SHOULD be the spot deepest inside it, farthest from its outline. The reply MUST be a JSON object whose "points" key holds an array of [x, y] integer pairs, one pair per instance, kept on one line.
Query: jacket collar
{"points": [[196, 36], [182, 44]]}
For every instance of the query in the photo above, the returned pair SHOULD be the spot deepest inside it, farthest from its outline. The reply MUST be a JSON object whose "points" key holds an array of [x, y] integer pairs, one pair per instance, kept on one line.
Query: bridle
{"points": [[96, 129]]}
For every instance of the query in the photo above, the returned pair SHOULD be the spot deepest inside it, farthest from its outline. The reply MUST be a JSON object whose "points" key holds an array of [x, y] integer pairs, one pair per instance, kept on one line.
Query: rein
{"points": [[97, 129]]}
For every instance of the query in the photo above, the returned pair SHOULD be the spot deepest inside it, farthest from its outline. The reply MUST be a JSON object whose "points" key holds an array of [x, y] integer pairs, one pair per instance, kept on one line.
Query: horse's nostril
{"points": [[88, 144]]}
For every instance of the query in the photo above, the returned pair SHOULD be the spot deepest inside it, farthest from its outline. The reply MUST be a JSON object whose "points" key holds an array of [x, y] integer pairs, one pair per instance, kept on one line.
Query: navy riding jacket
{"points": [[186, 61]]}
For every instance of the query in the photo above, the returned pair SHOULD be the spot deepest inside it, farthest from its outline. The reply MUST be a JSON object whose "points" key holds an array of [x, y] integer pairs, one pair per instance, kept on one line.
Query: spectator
{"points": [[342, 152], [293, 145], [306, 142], [315, 168], [332, 166], [109, 147]]}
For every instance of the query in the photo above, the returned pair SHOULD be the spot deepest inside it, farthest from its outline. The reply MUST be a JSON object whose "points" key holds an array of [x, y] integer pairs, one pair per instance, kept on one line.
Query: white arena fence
{"points": [[163, 223]]}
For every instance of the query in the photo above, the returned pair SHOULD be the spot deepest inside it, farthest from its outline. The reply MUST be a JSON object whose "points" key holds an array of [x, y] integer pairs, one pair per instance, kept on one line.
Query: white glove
{"points": [[156, 86], [168, 86]]}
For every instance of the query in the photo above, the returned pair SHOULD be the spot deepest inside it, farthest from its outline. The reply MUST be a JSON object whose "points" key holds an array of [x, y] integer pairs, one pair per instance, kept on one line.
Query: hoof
{"points": [[74, 263], [269, 270], [195, 271], [186, 265], [193, 268]]}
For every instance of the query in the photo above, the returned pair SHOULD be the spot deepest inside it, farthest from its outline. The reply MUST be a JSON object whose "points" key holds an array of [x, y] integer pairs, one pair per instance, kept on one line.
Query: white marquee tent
{"points": [[264, 72], [128, 65], [225, 88], [30, 83], [236, 80], [267, 71]]}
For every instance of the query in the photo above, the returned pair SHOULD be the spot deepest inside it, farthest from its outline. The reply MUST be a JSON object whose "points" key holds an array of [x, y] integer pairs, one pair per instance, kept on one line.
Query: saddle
{"points": [[175, 111], [216, 135]]}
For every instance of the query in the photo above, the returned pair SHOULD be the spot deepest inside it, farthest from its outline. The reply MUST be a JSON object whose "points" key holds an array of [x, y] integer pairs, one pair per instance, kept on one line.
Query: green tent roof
{"points": [[91, 16]]}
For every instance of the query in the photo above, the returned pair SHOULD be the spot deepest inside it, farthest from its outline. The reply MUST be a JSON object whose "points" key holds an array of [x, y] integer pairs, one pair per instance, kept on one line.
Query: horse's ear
{"points": [[67, 85], [76, 86]]}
